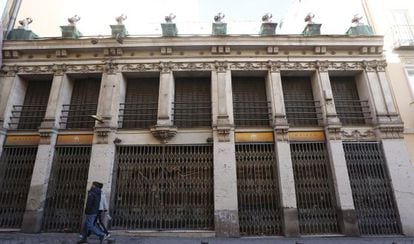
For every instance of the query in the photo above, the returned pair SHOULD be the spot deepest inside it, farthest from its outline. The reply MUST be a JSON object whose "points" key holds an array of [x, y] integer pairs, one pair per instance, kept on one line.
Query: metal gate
{"points": [[314, 188], [164, 187], [371, 189], [16, 168], [258, 190], [67, 185]]}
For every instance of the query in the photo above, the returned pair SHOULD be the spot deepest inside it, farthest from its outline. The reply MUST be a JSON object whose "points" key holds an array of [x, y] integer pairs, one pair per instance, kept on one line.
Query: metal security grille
{"points": [[83, 104], [192, 106], [371, 189], [314, 188], [29, 115], [350, 109], [16, 168], [301, 108], [67, 187], [250, 104], [164, 187], [141, 104], [258, 190]]}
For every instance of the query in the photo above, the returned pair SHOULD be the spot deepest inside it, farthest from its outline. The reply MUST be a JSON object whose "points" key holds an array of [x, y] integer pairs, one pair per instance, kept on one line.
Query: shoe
{"points": [[103, 238], [82, 241]]}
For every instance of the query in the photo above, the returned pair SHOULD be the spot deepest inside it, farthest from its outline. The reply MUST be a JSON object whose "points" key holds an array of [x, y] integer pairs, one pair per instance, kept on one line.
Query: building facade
{"points": [[395, 21], [226, 135]]}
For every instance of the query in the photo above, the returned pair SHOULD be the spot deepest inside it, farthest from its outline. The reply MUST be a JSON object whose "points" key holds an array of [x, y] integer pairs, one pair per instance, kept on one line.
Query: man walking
{"points": [[91, 212]]}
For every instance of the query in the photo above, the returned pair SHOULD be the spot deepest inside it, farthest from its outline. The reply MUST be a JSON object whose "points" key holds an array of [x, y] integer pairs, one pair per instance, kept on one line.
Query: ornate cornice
{"points": [[220, 66]]}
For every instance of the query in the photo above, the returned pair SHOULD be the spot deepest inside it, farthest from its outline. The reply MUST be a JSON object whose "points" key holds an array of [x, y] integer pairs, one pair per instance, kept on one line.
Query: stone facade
{"points": [[220, 59]]}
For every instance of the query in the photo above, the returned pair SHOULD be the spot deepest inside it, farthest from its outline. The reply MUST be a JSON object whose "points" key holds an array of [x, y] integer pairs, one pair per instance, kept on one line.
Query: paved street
{"points": [[55, 238]]}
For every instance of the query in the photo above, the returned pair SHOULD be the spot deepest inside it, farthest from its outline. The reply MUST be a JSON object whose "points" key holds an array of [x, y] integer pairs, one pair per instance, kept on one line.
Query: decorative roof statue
{"points": [[169, 18], [267, 18], [120, 19], [72, 20], [309, 18], [24, 23], [219, 17], [356, 20]]}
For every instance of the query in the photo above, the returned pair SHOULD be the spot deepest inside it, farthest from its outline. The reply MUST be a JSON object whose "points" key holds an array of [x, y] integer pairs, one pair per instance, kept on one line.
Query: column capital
{"points": [[59, 69], [274, 67], [165, 67], [322, 66], [221, 66]]}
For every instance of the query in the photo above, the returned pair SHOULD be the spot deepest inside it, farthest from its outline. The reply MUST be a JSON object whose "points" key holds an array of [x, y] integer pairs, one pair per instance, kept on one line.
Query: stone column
{"points": [[164, 129], [402, 180], [379, 93], [226, 215], [284, 159], [60, 94], [12, 92], [112, 93], [343, 192]]}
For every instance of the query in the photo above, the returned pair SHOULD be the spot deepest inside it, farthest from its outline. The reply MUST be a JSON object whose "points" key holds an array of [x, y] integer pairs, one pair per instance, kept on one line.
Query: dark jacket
{"points": [[92, 203]]}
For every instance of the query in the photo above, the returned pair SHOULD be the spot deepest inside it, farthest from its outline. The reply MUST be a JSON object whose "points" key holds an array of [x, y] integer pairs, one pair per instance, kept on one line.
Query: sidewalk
{"points": [[66, 238]]}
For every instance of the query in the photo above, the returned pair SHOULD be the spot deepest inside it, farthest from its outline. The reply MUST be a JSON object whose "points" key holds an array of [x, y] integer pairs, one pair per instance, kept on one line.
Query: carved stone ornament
{"points": [[165, 67], [274, 66], [110, 67], [322, 65], [358, 135], [164, 133], [392, 131], [221, 66], [59, 69], [9, 71], [375, 65], [141, 67]]}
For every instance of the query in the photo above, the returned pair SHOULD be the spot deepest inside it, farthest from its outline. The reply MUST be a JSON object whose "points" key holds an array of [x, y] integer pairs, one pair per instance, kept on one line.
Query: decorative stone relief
{"points": [[357, 134], [10, 71], [59, 69], [110, 67], [141, 67], [221, 66], [191, 66], [165, 67], [322, 65], [375, 65], [274, 66], [164, 133], [390, 131]]}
